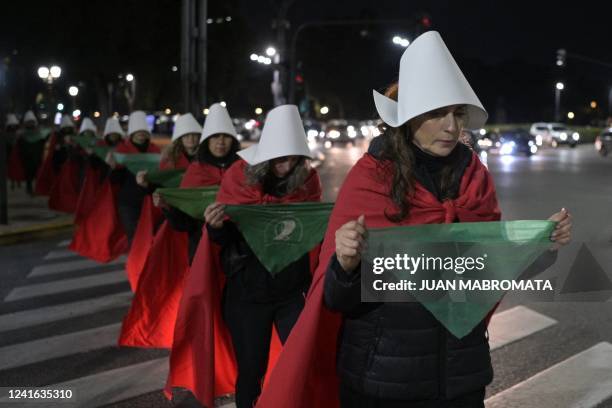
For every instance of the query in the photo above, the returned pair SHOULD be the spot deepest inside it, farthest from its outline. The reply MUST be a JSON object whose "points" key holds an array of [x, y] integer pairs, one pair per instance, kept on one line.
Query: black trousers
{"points": [[250, 326], [129, 216], [353, 399]]}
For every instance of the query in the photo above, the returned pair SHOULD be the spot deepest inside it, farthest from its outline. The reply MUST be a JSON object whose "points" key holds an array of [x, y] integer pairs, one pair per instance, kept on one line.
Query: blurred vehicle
{"points": [[369, 129], [313, 129], [247, 129], [315, 136], [338, 131], [515, 141], [554, 134], [603, 142]]}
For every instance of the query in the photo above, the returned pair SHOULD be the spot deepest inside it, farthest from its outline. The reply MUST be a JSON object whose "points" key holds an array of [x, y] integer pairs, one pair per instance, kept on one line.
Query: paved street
{"points": [[60, 314]]}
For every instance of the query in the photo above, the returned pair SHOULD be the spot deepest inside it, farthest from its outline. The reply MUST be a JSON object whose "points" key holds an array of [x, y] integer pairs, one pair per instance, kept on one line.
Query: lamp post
{"points": [[73, 91], [559, 86], [49, 75]]}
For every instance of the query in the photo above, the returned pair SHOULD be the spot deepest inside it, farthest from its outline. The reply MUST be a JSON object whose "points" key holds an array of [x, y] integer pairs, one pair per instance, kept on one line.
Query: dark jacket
{"points": [[399, 350]]}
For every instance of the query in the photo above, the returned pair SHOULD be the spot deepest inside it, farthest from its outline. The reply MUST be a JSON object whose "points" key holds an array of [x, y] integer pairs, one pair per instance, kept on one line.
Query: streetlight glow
{"points": [[174, 68], [560, 86], [570, 115], [60, 106], [267, 61], [271, 51], [76, 113], [593, 104], [96, 114], [223, 104], [43, 72], [258, 111], [73, 91], [205, 111], [324, 110], [254, 57], [55, 71], [167, 111], [129, 77]]}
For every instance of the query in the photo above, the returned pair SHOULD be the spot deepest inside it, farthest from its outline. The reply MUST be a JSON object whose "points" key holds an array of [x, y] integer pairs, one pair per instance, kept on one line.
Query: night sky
{"points": [[507, 51]]}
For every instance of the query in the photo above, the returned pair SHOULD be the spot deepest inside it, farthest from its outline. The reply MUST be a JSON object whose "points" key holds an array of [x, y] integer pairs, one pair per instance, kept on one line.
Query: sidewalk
{"points": [[30, 218]]}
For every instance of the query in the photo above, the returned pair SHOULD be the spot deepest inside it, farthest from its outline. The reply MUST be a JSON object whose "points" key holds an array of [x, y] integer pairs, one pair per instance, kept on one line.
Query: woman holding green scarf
{"points": [[31, 144], [348, 353]]}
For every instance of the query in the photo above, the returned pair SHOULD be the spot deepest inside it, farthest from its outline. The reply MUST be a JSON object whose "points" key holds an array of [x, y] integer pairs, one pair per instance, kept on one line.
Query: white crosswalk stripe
{"points": [[70, 266], [114, 385], [63, 244], [514, 324], [28, 318], [59, 254], [65, 285], [58, 346], [583, 380]]}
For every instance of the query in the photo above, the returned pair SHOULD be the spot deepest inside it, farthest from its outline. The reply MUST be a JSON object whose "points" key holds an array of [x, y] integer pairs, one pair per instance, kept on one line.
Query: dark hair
{"points": [[396, 152], [262, 174], [204, 155], [174, 151]]}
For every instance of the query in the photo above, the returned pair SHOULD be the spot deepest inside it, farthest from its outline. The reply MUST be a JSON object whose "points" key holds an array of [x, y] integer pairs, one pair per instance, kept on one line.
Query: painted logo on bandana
{"points": [[286, 230]]}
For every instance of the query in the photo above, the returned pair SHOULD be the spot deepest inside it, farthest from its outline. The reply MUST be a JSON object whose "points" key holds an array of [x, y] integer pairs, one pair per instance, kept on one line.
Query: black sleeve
{"points": [[543, 262], [342, 291], [180, 221], [59, 157], [224, 235], [119, 175]]}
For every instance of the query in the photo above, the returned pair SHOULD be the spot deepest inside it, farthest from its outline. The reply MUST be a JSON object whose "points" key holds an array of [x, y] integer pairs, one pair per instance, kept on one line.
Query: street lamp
{"points": [[324, 110], [271, 51], [49, 74], [129, 77], [559, 86], [258, 111], [73, 91], [401, 41]]}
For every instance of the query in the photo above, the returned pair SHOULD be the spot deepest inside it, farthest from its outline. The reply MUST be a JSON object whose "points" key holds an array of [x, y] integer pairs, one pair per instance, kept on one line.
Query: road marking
{"points": [[70, 266], [61, 253], [28, 318], [583, 380], [515, 324], [65, 285], [35, 351], [111, 386], [63, 244]]}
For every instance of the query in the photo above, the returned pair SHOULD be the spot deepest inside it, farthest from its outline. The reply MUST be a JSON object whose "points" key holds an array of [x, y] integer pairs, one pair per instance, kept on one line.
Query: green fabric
{"points": [[192, 201], [86, 142], [166, 178], [506, 248], [101, 151], [138, 161], [33, 136], [280, 234]]}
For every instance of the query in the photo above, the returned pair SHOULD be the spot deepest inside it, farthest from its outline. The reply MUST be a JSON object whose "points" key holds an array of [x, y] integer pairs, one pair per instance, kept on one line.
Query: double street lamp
{"points": [[49, 74]]}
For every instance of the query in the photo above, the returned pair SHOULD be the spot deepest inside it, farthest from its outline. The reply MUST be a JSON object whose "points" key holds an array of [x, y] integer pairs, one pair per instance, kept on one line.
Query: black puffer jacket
{"points": [[399, 350]]}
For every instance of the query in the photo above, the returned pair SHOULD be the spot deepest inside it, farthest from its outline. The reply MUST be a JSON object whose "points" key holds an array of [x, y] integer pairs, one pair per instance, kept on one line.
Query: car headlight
{"points": [[539, 140], [312, 134], [333, 134], [534, 149], [352, 133], [576, 136], [530, 143], [563, 136], [507, 148]]}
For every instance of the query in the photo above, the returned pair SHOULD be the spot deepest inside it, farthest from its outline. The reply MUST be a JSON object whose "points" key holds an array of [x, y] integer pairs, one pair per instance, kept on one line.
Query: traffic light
{"points": [[561, 54]]}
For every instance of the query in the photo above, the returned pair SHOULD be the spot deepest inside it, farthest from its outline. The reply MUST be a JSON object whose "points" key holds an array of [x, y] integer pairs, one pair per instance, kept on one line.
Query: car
{"points": [[603, 142], [338, 131], [554, 134], [516, 141]]}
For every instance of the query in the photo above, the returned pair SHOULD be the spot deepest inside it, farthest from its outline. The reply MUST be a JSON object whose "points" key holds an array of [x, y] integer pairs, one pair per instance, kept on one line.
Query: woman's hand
{"points": [[110, 160], [214, 215], [158, 200], [141, 179], [349, 243], [562, 234]]}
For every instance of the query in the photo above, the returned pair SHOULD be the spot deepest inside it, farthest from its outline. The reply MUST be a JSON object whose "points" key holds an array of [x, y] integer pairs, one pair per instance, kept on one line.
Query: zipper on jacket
{"points": [[442, 363]]}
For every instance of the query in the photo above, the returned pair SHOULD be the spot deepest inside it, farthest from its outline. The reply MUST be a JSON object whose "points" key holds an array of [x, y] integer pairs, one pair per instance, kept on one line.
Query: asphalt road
{"points": [[59, 316]]}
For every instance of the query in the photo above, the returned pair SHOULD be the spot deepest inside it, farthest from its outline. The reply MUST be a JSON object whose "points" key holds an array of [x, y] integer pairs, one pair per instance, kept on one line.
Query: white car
{"points": [[554, 134]]}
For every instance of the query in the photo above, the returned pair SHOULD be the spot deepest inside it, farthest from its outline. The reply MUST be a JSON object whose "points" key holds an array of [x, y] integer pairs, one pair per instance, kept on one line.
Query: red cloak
{"points": [[152, 315], [100, 236], [150, 217], [64, 194], [15, 171], [46, 175], [305, 374], [202, 358]]}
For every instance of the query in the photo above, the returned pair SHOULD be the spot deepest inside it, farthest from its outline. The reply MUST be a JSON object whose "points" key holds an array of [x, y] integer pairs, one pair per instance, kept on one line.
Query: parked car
{"points": [[554, 134], [603, 142], [516, 141]]}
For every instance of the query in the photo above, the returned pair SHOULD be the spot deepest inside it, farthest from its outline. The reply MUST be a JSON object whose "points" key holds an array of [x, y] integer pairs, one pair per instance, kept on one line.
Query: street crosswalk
{"points": [[581, 380]]}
